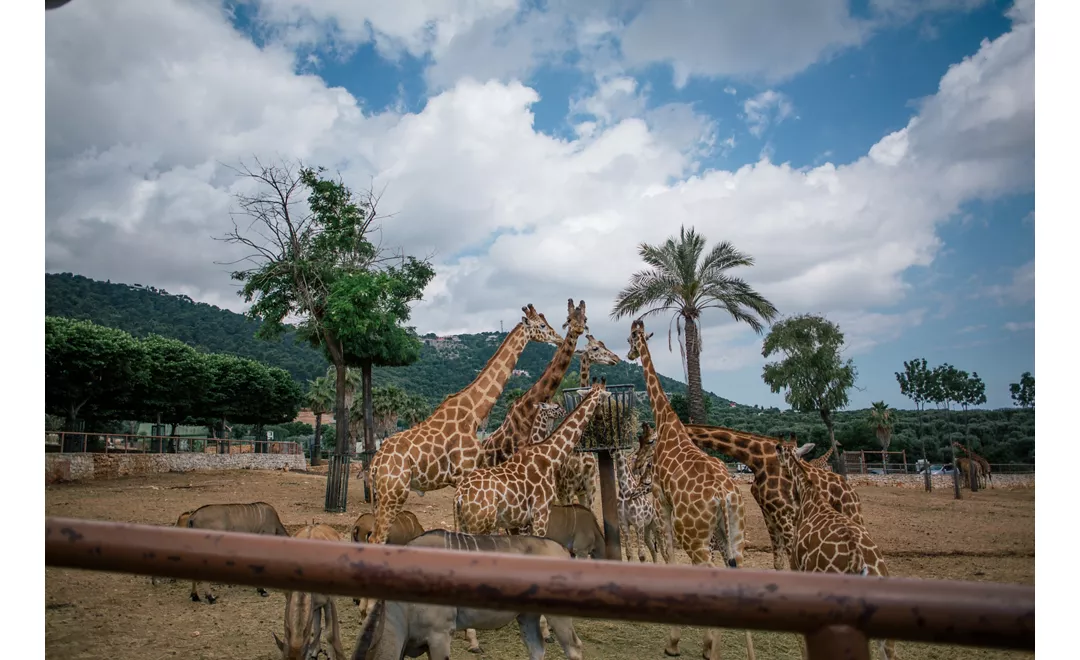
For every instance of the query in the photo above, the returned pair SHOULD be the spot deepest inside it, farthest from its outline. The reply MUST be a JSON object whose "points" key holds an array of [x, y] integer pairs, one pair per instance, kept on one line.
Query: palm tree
{"points": [[881, 421], [320, 399], [686, 281]]}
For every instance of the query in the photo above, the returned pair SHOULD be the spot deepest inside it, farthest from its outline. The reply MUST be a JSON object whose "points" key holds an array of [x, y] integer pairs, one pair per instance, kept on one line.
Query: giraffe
{"points": [[638, 513], [439, 451], [770, 489], [518, 494], [517, 426], [576, 476], [548, 413], [984, 465], [699, 501], [822, 462], [825, 540]]}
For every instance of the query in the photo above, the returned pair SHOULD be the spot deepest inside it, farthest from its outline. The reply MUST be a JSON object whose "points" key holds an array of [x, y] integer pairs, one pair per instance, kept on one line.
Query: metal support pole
{"points": [[609, 503], [837, 643]]}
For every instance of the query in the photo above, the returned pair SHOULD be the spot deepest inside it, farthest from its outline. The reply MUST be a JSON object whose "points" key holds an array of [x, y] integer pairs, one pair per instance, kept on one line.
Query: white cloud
{"points": [[768, 107], [730, 90], [1014, 326], [135, 185], [1019, 290], [971, 328]]}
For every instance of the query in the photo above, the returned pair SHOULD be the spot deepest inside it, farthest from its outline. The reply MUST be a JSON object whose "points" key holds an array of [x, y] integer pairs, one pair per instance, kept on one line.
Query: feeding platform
{"points": [[614, 425]]}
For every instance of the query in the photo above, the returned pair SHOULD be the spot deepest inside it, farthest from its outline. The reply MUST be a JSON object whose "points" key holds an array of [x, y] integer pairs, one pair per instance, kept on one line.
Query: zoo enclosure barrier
{"points": [[78, 442], [838, 614]]}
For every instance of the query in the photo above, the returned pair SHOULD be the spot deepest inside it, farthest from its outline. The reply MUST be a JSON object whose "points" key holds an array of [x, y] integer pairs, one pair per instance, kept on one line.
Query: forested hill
{"points": [[444, 367]]}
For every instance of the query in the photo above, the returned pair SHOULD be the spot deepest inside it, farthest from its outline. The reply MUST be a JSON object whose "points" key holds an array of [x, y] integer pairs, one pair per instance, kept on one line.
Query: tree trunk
{"points": [[955, 465], [316, 444], [927, 481], [341, 410], [694, 394], [841, 469], [369, 408]]}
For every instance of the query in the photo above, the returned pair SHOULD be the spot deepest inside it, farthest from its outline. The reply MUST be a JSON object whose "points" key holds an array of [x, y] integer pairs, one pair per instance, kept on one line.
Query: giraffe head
{"points": [[596, 353], [637, 339], [576, 322], [793, 467], [537, 328], [546, 413], [647, 436], [598, 390]]}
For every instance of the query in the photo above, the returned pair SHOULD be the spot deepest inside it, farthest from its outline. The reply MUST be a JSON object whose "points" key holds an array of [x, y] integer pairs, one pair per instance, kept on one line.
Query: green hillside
{"points": [[441, 370], [1003, 436]]}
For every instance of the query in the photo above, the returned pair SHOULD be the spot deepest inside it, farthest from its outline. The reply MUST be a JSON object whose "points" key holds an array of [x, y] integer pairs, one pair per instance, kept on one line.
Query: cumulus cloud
{"points": [[1015, 326], [768, 107], [136, 186]]}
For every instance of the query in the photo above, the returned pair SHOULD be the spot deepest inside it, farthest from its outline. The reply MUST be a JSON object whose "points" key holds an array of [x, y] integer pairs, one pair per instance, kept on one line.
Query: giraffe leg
{"points": [[540, 520], [474, 643], [624, 532]]}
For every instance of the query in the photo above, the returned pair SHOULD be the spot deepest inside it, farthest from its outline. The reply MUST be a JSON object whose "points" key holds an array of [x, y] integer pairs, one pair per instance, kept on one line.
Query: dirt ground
{"points": [[988, 536]]}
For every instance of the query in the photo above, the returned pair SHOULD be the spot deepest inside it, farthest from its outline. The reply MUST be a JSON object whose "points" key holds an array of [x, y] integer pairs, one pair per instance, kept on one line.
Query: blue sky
{"points": [[879, 164]]}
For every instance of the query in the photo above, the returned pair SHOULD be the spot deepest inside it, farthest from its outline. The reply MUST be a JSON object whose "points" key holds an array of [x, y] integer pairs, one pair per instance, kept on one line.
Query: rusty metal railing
{"points": [[833, 611]]}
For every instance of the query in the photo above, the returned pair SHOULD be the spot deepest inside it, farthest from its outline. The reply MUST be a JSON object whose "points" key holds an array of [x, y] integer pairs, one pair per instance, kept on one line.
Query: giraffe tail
{"points": [[730, 521]]}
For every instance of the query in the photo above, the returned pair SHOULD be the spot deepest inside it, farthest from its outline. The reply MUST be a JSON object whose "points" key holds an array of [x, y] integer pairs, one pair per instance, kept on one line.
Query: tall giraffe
{"points": [[822, 462], [443, 448], [639, 517], [825, 540], [984, 465], [576, 476], [515, 429], [518, 494], [695, 491], [770, 489]]}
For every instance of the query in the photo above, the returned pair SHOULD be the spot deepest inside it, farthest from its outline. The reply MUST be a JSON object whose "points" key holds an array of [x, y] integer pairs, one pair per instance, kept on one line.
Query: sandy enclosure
{"points": [[988, 536]]}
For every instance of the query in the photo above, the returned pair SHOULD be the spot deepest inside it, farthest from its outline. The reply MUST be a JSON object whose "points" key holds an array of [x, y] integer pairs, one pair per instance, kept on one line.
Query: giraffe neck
{"points": [[753, 451], [539, 428], [564, 438], [485, 389], [663, 414], [622, 475], [810, 499], [586, 363], [520, 419]]}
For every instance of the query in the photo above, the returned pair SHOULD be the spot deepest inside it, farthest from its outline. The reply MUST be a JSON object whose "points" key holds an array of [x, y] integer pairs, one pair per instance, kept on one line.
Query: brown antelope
{"points": [[254, 518]]}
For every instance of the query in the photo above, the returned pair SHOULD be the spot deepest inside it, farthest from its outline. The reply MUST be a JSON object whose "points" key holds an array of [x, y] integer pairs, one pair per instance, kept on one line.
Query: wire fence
{"points": [[71, 442]]}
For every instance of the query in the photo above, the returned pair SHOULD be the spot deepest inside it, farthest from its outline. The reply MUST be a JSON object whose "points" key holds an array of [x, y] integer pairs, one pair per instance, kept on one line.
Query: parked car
{"points": [[941, 469], [874, 471]]}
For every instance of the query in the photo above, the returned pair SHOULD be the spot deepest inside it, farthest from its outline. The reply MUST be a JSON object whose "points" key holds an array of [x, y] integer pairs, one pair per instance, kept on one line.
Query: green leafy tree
{"points": [[175, 386], [415, 410], [320, 399], [304, 260], [881, 421], [366, 311], [684, 280], [947, 386], [973, 394], [681, 405], [816, 377], [915, 384], [1023, 393], [91, 369]]}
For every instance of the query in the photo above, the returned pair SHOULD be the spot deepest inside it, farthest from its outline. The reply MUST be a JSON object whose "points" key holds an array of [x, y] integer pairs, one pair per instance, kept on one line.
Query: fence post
{"points": [[337, 483], [837, 642]]}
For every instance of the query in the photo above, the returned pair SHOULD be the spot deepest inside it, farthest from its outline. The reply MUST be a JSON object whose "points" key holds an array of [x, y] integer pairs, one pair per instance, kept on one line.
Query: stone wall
{"points": [[85, 467], [1008, 481]]}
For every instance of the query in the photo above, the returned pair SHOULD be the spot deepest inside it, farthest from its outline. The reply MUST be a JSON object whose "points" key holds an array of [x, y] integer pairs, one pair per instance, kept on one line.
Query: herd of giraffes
{"points": [[672, 492]]}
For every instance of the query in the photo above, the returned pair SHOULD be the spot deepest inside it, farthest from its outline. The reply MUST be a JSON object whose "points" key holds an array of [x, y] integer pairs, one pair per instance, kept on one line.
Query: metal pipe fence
{"points": [[80, 442], [834, 612]]}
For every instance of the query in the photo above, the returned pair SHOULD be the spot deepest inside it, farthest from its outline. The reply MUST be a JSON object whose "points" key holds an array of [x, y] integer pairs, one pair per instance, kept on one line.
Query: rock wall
{"points": [[85, 467], [1008, 481]]}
